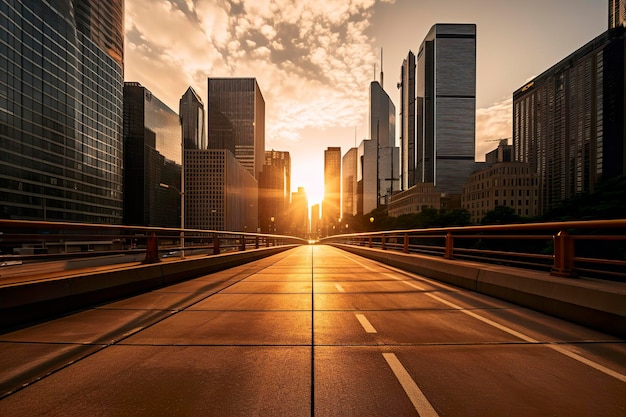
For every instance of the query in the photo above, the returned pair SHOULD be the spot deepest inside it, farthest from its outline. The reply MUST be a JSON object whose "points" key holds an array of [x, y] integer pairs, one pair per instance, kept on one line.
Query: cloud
{"points": [[493, 122], [313, 60]]}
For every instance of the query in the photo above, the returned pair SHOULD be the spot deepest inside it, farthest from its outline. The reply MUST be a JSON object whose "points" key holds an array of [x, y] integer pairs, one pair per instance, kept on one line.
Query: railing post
{"points": [[256, 242], [152, 249], [243, 243], [449, 253], [267, 242], [370, 242], [382, 243], [216, 245], [563, 255], [406, 243]]}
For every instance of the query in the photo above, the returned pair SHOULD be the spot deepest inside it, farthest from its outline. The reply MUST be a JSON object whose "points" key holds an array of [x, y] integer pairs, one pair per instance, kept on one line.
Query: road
{"points": [[313, 331]]}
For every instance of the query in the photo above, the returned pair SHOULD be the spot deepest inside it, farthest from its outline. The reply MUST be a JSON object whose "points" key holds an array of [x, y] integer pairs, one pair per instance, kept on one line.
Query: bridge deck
{"points": [[312, 331]]}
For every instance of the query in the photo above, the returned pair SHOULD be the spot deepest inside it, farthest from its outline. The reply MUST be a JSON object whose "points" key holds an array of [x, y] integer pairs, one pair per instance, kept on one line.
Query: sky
{"points": [[314, 60]]}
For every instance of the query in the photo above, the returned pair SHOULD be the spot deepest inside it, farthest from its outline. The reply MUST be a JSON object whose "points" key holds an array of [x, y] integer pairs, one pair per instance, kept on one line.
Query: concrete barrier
{"points": [[593, 303], [35, 300]]}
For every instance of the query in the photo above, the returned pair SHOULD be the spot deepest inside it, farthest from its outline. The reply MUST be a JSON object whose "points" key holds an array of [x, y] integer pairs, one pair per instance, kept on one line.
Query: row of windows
{"points": [[476, 214], [477, 195]]}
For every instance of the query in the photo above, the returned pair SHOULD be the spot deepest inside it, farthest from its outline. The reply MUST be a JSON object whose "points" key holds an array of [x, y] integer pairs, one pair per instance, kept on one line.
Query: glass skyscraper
{"points": [[407, 121], [446, 106], [61, 82], [382, 118], [152, 156], [191, 111], [568, 122], [236, 111], [331, 206]]}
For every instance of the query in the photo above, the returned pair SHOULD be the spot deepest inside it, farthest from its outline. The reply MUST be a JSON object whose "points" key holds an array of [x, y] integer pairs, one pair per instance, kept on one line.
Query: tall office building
{"points": [[568, 122], [236, 120], [382, 116], [617, 13], [299, 214], [446, 106], [152, 159], [191, 112], [220, 194], [331, 206], [274, 192], [367, 177], [407, 121], [349, 183], [316, 228], [382, 124], [61, 82]]}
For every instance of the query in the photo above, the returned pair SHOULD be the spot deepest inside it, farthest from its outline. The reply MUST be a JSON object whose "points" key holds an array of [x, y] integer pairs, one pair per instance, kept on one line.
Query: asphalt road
{"points": [[313, 331]]}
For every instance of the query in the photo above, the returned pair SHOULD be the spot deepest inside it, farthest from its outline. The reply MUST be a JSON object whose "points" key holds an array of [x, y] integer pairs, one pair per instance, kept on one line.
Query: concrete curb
{"points": [[593, 303], [35, 300]]}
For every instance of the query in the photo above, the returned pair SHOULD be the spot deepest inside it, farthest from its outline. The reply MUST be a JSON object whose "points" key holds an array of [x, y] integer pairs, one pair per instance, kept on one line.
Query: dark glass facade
{"points": [[407, 121], [152, 155], [236, 110], [446, 106], [274, 192], [191, 111], [331, 206], [61, 81], [568, 123]]}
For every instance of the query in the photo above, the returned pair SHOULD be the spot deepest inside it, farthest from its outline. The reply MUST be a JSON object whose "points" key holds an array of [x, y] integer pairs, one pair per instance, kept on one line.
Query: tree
{"points": [[501, 215]]}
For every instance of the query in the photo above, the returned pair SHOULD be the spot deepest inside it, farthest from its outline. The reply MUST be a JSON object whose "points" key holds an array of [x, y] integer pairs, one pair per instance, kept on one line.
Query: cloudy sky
{"points": [[314, 59]]}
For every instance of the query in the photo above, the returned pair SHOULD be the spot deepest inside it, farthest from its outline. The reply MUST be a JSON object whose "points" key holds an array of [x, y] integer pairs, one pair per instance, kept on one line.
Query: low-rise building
{"points": [[414, 200], [508, 184]]}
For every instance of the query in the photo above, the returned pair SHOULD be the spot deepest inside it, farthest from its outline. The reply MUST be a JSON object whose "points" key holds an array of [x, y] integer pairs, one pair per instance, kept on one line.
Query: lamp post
{"points": [[182, 217]]}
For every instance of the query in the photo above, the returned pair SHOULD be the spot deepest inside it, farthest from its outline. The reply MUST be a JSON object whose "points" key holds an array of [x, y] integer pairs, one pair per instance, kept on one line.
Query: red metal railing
{"points": [[595, 248], [28, 241]]}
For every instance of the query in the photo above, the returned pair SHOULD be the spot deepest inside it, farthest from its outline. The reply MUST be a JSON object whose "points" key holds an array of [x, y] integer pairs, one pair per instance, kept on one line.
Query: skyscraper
{"points": [[617, 13], [191, 112], [152, 156], [446, 106], [61, 82], [367, 177], [220, 194], [331, 206], [382, 116], [299, 214], [568, 122], [407, 121], [236, 120], [382, 123], [349, 183], [274, 192]]}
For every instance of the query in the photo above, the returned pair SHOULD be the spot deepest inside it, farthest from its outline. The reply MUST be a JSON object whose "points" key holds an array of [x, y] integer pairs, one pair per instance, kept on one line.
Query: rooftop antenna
{"points": [[381, 68]]}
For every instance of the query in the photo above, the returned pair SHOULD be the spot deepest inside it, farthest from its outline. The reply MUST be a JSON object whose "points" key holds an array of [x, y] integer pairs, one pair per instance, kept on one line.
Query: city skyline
{"points": [[314, 65]]}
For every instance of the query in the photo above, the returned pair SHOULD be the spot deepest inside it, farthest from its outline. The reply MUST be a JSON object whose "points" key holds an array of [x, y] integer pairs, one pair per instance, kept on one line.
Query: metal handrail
{"points": [[67, 239], [562, 250]]}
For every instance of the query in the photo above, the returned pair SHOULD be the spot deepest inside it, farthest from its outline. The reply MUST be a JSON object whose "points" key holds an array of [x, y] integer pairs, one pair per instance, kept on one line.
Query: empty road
{"points": [[313, 331]]}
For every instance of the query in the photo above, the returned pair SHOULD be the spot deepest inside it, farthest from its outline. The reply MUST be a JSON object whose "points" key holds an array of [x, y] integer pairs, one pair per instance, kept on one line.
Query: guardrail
{"points": [[30, 241], [592, 248]]}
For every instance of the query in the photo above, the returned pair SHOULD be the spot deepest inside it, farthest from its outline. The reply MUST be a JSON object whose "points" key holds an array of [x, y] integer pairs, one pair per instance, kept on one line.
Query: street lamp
{"points": [[182, 217]]}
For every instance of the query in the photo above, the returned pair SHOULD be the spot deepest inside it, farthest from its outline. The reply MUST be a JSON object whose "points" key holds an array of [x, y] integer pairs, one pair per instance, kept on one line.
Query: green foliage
{"points": [[426, 219], [501, 215], [607, 202]]}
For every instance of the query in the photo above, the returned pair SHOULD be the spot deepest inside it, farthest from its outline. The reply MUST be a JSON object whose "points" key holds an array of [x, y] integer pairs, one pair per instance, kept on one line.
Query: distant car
{"points": [[171, 254]]}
